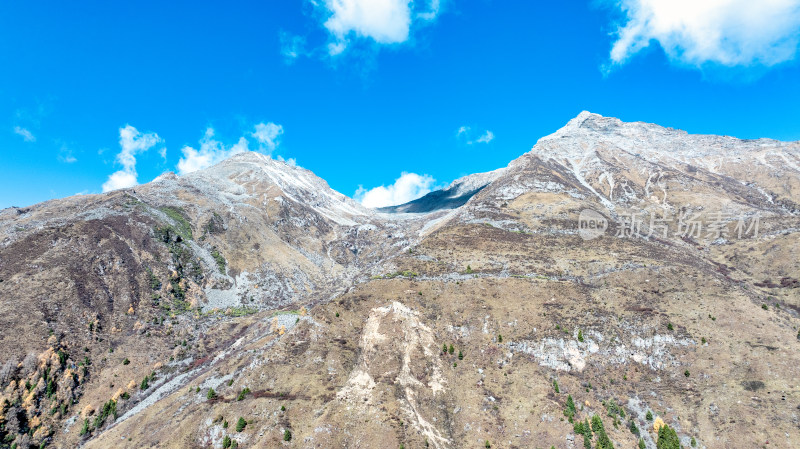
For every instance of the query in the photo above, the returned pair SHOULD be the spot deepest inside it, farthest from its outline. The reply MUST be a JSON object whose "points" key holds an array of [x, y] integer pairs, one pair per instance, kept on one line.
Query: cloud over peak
{"points": [[722, 32], [212, 151], [132, 142], [408, 187]]}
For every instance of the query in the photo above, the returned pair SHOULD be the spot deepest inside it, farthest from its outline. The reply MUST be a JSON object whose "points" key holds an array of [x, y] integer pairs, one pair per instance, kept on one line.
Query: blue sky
{"points": [[362, 91]]}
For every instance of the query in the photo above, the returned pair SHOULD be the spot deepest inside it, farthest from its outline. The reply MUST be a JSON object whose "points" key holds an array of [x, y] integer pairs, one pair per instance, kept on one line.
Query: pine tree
{"points": [[287, 436], [570, 410], [667, 438], [211, 394], [240, 424]]}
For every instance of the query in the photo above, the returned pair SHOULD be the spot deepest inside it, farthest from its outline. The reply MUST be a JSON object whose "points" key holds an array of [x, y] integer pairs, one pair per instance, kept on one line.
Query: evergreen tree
{"points": [[667, 438], [240, 424]]}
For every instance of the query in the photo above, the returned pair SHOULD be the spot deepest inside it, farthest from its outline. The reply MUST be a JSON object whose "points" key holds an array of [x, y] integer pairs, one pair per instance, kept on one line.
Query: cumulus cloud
{"points": [[132, 142], [720, 32], [383, 21], [27, 136], [267, 135], [212, 151], [409, 186], [465, 132]]}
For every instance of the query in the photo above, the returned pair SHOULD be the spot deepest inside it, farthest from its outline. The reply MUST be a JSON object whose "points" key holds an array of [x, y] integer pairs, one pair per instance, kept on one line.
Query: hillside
{"points": [[491, 313]]}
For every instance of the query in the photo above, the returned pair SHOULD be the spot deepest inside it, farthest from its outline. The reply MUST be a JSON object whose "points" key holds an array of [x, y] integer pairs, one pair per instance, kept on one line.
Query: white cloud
{"points": [[267, 135], [409, 186], [465, 132], [27, 136], [383, 21], [131, 142], [213, 151], [487, 137], [721, 32]]}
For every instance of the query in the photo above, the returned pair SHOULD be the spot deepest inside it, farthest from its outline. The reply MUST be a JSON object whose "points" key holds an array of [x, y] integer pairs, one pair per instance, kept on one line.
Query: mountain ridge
{"points": [[154, 315]]}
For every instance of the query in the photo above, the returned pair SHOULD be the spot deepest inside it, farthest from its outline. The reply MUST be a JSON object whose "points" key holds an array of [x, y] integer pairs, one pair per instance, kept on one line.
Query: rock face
{"points": [[636, 267]]}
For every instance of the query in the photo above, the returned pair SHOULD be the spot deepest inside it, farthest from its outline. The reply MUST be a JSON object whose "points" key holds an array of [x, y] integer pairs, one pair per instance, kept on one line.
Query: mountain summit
{"points": [[622, 274]]}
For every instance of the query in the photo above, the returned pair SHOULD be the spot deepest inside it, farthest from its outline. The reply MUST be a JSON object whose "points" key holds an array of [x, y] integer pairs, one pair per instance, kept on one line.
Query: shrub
{"points": [[641, 443], [155, 284], [764, 306], [693, 442], [220, 260], [499, 338], [669, 326], [240, 424], [555, 386], [242, 394], [686, 373], [85, 428], [580, 335], [62, 357], [109, 409], [287, 436], [487, 445], [211, 394], [224, 424], [51, 389], [444, 348], [283, 408], [126, 361], [145, 383]]}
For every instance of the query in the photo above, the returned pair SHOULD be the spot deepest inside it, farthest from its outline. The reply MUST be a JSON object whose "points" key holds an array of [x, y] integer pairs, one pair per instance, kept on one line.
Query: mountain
{"points": [[621, 273]]}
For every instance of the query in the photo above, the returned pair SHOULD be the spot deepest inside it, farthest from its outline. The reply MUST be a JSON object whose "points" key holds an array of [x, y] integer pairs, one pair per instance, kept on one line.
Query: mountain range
{"points": [[615, 279]]}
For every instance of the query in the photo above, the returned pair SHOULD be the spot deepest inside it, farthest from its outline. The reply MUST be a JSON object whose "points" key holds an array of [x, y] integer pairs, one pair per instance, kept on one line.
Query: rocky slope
{"points": [[251, 305]]}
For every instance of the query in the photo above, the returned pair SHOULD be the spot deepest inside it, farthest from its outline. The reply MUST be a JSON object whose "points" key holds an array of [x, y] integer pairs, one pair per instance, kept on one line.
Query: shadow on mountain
{"points": [[450, 198]]}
